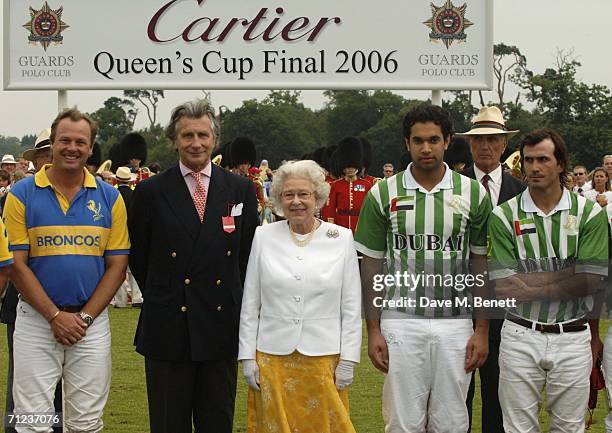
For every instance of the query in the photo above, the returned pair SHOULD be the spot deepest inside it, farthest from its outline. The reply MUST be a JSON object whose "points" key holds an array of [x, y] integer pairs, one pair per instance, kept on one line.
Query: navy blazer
{"points": [[190, 273]]}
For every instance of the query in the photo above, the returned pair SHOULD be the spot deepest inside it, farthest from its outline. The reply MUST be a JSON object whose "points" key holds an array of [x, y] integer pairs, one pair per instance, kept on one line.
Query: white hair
{"points": [[305, 169]]}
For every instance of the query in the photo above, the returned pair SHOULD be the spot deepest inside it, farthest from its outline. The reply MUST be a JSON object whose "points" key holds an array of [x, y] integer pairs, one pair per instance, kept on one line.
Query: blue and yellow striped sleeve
{"points": [[6, 257], [119, 240], [14, 215]]}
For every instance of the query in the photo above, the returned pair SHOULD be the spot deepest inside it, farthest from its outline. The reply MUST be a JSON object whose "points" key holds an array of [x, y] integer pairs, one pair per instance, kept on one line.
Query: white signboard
{"points": [[248, 44]]}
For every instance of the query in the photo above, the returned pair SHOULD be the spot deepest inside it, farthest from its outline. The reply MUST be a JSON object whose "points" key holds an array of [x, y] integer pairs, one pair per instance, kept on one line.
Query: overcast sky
{"points": [[537, 27]]}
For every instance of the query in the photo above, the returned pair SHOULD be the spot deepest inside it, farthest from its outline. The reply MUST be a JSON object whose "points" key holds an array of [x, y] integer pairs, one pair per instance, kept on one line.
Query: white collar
{"points": [[528, 205], [495, 175], [411, 183]]}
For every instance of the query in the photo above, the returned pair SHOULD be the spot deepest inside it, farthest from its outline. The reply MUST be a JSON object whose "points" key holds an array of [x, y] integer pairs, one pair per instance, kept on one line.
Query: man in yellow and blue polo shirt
{"points": [[68, 234]]}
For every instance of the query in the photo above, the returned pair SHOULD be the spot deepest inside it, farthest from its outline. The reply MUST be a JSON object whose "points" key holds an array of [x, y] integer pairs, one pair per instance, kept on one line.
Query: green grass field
{"points": [[126, 411]]}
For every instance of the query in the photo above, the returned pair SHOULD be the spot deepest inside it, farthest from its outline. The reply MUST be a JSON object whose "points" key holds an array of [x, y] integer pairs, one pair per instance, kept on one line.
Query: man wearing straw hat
{"points": [[125, 179], [9, 164], [488, 140]]}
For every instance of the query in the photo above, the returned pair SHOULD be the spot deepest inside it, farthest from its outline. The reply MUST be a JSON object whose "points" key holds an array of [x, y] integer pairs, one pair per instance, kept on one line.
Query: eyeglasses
{"points": [[579, 174], [301, 195]]}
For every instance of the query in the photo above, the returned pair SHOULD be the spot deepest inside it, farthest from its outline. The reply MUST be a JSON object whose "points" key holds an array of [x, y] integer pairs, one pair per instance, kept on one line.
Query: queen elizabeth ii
{"points": [[300, 323]]}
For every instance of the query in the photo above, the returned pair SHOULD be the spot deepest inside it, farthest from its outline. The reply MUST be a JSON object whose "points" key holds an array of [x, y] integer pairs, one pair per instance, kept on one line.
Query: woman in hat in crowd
{"points": [[300, 323], [600, 180]]}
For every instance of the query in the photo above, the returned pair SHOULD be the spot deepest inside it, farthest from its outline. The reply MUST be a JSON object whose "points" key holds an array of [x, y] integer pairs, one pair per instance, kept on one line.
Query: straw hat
{"points": [[124, 174], [488, 121], [43, 141], [8, 159]]}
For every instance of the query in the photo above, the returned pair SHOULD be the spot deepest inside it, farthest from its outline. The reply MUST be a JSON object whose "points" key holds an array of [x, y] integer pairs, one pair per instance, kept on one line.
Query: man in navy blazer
{"points": [[191, 229]]}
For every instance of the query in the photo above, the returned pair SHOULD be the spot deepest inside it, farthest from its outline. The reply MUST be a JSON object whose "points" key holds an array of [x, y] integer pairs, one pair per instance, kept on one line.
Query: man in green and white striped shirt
{"points": [[549, 250], [425, 221]]}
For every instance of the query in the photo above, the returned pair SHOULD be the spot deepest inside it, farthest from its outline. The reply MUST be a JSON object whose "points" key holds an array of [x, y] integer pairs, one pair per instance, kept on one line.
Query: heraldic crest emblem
{"points": [[46, 26], [448, 23]]}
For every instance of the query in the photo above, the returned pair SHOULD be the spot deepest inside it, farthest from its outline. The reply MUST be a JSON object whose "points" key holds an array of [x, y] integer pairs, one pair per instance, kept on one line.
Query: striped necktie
{"points": [[485, 182]]}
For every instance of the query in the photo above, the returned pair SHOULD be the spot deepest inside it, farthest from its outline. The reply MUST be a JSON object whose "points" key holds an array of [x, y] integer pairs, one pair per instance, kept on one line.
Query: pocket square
{"points": [[236, 210]]}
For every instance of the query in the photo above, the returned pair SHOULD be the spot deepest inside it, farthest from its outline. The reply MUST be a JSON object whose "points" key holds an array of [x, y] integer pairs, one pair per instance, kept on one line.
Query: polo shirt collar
{"points": [[528, 205], [42, 181], [411, 183]]}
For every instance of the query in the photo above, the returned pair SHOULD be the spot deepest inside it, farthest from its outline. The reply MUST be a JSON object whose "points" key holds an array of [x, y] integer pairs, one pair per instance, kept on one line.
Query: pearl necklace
{"points": [[304, 242]]}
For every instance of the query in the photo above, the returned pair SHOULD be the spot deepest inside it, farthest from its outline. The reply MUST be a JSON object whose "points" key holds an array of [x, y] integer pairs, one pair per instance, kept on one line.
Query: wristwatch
{"points": [[86, 318]]}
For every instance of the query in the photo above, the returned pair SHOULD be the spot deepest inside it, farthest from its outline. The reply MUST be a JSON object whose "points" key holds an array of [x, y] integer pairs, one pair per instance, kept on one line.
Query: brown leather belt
{"points": [[70, 308], [575, 326], [348, 212]]}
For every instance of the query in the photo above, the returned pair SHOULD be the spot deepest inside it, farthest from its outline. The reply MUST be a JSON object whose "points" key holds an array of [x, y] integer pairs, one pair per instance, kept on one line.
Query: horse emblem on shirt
{"points": [[96, 210]]}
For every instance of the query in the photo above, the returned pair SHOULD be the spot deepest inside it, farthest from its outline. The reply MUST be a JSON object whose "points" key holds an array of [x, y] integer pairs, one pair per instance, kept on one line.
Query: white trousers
{"points": [[606, 366], [532, 361], [121, 297], [40, 362], [426, 387]]}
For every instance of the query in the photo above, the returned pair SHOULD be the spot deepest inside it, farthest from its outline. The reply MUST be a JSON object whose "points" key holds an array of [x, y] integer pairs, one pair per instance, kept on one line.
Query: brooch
{"points": [[333, 233]]}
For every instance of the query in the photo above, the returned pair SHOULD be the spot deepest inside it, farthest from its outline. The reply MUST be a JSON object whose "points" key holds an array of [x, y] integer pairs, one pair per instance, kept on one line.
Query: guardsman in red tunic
{"points": [[348, 193], [131, 152], [243, 157]]}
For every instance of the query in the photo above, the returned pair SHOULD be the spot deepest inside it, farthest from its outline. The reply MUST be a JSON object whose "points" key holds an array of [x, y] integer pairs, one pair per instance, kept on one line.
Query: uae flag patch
{"points": [[524, 227], [402, 203]]}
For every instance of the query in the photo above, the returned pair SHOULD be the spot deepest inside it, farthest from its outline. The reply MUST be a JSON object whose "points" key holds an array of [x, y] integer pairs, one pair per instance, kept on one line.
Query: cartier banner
{"points": [[248, 44]]}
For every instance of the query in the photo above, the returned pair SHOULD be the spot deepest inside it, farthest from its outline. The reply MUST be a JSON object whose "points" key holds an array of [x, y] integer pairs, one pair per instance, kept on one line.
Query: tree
{"points": [[115, 119], [160, 148], [461, 109], [149, 99], [28, 140], [508, 62], [280, 97], [352, 112], [280, 126], [10, 145], [581, 113]]}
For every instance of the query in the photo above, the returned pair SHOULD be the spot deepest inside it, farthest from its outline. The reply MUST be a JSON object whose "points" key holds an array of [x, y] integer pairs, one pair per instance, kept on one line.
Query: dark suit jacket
{"points": [[510, 187], [126, 193], [191, 274]]}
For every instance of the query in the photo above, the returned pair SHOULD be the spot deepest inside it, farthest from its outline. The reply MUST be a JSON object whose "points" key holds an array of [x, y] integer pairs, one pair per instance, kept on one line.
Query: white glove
{"points": [[251, 373], [344, 373]]}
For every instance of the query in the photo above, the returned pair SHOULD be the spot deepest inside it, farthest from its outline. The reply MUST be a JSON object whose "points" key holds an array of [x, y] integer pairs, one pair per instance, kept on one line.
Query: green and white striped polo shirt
{"points": [[524, 240], [426, 233]]}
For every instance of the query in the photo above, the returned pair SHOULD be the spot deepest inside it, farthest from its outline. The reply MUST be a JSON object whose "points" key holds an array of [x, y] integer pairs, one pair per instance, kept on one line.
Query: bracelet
{"points": [[54, 316]]}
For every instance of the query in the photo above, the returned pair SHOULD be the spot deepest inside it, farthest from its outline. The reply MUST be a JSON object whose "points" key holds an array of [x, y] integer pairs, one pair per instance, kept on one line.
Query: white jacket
{"points": [[306, 299]]}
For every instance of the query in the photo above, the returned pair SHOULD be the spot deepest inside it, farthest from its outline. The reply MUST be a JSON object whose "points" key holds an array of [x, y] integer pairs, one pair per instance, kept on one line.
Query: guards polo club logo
{"points": [[448, 23], [46, 26]]}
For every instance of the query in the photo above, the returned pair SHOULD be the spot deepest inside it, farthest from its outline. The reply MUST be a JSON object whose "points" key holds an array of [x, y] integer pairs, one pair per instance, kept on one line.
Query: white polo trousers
{"points": [[40, 362], [532, 361], [606, 366], [426, 387]]}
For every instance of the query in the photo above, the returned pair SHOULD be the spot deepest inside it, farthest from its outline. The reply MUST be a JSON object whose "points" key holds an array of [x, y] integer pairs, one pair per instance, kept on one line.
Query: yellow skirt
{"points": [[298, 394]]}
